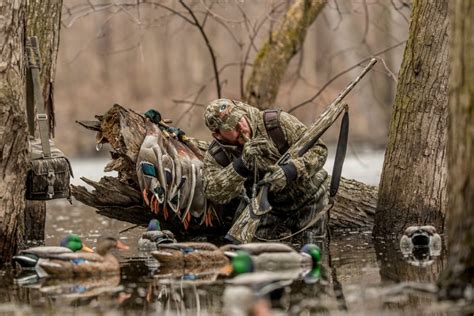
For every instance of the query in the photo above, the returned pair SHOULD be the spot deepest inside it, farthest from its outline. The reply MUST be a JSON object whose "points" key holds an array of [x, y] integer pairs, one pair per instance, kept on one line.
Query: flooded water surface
{"points": [[357, 275]]}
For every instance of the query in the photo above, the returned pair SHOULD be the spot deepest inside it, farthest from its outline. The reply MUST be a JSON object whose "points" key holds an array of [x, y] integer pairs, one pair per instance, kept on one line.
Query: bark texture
{"points": [[121, 198], [13, 131], [43, 21], [273, 58], [413, 184], [43, 18], [459, 273]]}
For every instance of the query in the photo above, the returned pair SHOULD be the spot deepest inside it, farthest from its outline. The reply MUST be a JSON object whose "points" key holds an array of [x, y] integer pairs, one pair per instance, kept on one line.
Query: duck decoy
{"points": [[28, 258], [190, 254], [421, 237], [154, 236], [419, 244], [271, 257], [67, 265]]}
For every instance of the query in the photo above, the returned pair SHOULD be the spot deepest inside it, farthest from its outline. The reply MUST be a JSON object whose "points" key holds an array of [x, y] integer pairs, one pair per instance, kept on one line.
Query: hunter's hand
{"points": [[253, 150], [279, 176]]}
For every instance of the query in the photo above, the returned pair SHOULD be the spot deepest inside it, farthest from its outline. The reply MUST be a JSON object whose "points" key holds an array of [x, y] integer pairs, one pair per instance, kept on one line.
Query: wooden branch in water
{"points": [[354, 208]]}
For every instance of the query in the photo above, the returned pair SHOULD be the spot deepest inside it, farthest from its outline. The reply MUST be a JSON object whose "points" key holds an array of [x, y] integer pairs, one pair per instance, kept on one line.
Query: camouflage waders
{"points": [[227, 176]]}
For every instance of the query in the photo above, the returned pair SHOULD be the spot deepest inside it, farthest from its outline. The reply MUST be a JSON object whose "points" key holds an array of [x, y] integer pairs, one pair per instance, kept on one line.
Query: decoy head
{"points": [[74, 242], [104, 245], [242, 263], [313, 251], [154, 225], [313, 276]]}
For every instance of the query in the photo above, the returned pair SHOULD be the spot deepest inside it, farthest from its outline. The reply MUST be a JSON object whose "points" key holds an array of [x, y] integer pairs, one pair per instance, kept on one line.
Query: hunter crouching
{"points": [[247, 144]]}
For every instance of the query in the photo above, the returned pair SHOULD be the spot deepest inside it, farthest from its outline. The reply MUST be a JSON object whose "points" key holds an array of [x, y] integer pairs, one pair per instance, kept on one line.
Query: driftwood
{"points": [[120, 197]]}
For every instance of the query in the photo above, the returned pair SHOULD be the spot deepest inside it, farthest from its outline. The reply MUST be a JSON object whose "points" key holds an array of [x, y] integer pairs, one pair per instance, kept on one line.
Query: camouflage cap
{"points": [[223, 114]]}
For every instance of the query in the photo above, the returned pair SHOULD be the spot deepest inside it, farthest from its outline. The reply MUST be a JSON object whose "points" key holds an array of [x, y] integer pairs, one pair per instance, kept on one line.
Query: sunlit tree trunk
{"points": [[13, 131], [460, 269], [273, 58], [413, 184]]}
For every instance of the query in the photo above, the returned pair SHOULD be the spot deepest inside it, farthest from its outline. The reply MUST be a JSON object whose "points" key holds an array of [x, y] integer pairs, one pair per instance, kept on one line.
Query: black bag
{"points": [[49, 172]]}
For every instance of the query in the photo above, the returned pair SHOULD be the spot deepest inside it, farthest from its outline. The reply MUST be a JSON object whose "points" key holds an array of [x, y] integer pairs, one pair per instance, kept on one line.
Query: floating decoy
{"points": [[154, 236], [29, 258], [271, 257], [190, 254], [67, 265]]}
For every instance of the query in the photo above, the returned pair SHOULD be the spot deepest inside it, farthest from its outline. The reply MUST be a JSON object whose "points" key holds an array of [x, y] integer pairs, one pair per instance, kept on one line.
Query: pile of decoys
{"points": [[168, 169]]}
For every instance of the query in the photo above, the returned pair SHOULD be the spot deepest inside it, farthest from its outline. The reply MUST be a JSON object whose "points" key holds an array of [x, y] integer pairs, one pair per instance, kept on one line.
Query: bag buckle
{"points": [[50, 191], [41, 117]]}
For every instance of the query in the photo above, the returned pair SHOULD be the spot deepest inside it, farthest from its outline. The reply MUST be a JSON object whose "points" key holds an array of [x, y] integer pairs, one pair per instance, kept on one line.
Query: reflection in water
{"points": [[358, 276], [395, 268]]}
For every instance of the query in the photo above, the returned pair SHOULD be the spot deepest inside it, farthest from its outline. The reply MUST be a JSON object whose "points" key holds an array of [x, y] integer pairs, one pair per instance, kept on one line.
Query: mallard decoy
{"points": [[29, 258], [271, 257], [421, 237], [190, 254], [67, 265], [419, 244], [155, 236]]}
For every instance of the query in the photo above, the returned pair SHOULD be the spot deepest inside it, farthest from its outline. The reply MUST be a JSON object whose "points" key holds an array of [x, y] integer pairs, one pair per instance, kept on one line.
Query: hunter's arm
{"points": [[314, 159], [221, 184]]}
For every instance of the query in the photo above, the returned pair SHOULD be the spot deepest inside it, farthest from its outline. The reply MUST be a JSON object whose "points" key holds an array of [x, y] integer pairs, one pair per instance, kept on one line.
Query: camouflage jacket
{"points": [[222, 184]]}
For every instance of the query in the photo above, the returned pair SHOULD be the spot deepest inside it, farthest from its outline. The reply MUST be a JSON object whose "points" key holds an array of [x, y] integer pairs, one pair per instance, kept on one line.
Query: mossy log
{"points": [[119, 197]]}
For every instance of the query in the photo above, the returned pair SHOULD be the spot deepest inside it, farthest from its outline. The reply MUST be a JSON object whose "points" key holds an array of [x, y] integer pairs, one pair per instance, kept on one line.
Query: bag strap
{"points": [[218, 154], [271, 119], [35, 97], [340, 155]]}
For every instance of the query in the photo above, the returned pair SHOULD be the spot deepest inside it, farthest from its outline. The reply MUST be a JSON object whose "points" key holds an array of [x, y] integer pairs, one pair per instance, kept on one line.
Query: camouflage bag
{"points": [[49, 171]]}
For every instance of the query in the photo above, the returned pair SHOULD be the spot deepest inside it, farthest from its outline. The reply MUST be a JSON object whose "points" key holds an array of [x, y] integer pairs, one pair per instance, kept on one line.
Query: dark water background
{"points": [[359, 276]]}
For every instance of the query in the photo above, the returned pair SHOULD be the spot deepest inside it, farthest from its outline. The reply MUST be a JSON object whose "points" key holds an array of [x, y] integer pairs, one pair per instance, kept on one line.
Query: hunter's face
{"points": [[237, 136]]}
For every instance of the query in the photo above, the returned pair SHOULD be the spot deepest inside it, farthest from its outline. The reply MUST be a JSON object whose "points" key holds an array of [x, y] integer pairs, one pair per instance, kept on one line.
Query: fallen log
{"points": [[121, 198]]}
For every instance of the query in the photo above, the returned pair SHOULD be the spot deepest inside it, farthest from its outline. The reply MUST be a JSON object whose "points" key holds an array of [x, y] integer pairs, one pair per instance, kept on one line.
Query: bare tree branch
{"points": [[342, 73], [208, 44]]}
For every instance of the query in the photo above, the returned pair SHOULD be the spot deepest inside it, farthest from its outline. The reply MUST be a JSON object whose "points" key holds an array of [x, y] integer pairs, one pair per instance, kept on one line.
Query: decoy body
{"points": [[190, 254], [271, 257], [154, 236], [419, 244], [67, 265], [28, 258], [420, 237]]}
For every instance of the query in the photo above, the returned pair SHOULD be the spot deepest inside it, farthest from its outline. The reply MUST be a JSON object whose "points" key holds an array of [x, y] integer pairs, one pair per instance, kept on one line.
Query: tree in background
{"points": [[274, 56], [20, 20], [413, 184], [459, 273]]}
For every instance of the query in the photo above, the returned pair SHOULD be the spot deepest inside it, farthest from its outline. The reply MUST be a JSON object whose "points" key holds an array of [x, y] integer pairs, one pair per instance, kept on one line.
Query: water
{"points": [[358, 275]]}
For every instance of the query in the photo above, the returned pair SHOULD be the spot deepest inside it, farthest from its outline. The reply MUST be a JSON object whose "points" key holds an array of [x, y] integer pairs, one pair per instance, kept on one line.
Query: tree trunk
{"points": [[35, 220], [13, 131], [40, 18], [413, 184], [273, 58], [43, 21], [459, 273]]}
